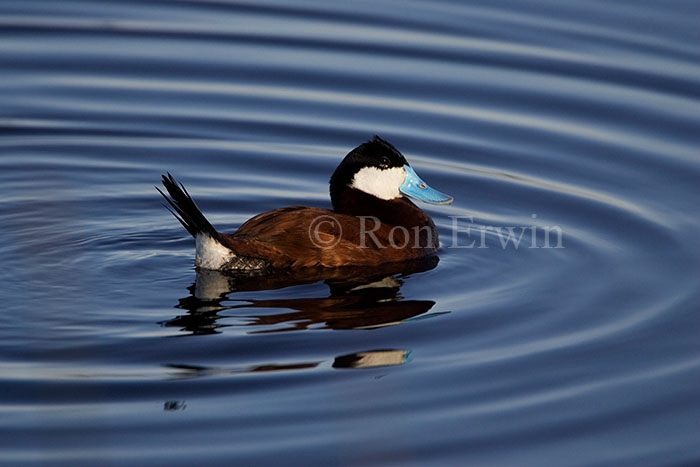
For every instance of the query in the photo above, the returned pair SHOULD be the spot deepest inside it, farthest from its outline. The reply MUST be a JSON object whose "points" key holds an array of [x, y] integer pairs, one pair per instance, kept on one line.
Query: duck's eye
{"points": [[384, 162]]}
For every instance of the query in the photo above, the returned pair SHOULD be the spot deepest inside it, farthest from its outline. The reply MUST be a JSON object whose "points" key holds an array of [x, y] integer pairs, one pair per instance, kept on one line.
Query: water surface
{"points": [[581, 118]]}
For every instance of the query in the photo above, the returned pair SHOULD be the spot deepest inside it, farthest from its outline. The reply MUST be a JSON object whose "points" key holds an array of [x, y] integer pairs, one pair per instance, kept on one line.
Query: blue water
{"points": [[576, 123]]}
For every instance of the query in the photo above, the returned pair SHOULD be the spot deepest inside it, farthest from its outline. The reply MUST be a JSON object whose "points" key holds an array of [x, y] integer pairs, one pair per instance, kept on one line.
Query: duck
{"points": [[372, 221]]}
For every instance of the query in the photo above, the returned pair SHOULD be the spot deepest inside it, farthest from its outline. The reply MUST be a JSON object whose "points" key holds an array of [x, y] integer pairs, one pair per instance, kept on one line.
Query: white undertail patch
{"points": [[210, 253], [382, 183]]}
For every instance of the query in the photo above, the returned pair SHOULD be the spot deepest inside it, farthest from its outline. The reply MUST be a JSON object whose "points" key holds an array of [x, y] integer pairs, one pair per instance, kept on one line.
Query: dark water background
{"points": [[579, 115]]}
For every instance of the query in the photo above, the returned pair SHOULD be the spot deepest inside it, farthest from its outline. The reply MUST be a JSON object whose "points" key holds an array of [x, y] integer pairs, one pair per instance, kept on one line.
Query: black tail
{"points": [[185, 210]]}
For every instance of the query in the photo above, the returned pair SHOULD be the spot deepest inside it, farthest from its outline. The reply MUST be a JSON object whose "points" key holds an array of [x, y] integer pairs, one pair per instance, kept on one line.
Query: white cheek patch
{"points": [[382, 183]]}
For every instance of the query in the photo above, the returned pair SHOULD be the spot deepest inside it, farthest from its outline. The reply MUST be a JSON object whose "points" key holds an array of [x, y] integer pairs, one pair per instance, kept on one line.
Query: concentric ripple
{"points": [[558, 328]]}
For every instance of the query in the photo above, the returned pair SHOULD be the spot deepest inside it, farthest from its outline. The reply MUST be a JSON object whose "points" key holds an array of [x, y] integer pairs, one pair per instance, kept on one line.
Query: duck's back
{"points": [[301, 236]]}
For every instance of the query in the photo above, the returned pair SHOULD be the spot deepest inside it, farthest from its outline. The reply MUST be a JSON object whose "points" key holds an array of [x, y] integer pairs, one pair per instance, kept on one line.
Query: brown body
{"points": [[301, 237]]}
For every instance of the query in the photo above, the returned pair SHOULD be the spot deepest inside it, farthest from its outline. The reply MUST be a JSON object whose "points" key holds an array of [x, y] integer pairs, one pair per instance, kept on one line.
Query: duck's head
{"points": [[378, 169]]}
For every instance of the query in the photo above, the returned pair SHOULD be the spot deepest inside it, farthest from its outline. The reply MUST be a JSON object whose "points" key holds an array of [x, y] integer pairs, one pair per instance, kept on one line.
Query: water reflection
{"points": [[366, 359], [197, 371], [356, 300], [372, 359]]}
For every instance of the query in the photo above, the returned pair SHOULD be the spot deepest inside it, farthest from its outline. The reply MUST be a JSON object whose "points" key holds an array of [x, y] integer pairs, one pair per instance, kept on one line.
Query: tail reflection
{"points": [[355, 300]]}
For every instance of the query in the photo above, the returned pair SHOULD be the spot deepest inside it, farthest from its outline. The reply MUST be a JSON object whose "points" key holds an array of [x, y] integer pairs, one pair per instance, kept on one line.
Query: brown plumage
{"points": [[301, 237]]}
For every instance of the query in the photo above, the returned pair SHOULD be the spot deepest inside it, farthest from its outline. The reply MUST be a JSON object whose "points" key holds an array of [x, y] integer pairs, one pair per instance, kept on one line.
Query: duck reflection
{"points": [[372, 359], [367, 359], [355, 300]]}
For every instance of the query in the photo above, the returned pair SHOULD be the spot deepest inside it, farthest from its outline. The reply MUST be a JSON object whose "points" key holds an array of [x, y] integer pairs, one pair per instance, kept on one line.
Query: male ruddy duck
{"points": [[372, 222]]}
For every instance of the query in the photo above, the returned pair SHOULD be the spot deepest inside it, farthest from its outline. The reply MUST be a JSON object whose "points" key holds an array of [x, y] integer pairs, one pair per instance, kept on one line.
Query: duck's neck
{"points": [[398, 211]]}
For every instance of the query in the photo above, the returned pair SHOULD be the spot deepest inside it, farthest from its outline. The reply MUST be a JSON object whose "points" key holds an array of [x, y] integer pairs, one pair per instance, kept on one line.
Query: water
{"points": [[582, 117]]}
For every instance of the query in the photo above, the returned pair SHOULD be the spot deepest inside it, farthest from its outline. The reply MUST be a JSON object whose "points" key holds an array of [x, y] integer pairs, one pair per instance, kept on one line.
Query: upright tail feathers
{"points": [[185, 210]]}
